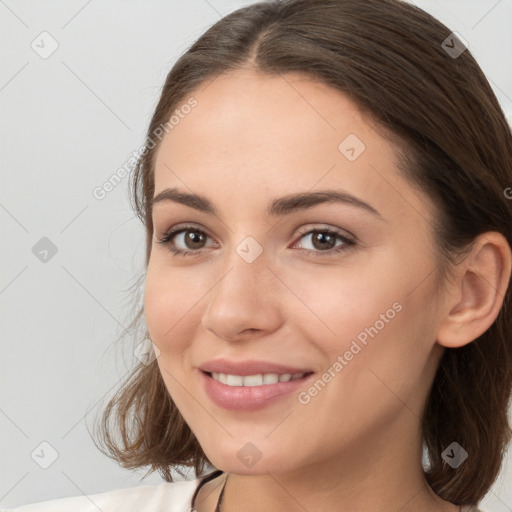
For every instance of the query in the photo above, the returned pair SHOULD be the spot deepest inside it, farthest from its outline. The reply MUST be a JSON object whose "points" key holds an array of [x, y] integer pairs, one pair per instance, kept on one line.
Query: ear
{"points": [[474, 300]]}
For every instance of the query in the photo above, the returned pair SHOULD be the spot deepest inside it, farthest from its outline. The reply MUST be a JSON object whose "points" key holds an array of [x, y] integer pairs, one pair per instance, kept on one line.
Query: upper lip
{"points": [[249, 367]]}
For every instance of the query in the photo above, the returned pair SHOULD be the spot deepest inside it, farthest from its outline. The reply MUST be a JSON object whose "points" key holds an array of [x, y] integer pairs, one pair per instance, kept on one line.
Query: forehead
{"points": [[279, 111], [253, 134]]}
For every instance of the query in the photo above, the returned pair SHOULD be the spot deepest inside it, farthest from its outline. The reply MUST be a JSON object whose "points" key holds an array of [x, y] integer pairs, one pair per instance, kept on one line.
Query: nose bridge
{"points": [[243, 298], [246, 272]]}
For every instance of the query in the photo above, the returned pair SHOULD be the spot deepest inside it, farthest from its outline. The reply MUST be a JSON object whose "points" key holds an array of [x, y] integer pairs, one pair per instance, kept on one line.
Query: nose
{"points": [[244, 301]]}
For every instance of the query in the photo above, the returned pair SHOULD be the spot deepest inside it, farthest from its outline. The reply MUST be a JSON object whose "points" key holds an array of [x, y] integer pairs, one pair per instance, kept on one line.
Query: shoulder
{"points": [[466, 508], [168, 496]]}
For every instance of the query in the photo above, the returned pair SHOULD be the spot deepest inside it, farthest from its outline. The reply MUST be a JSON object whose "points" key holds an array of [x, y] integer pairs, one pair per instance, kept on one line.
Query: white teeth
{"points": [[270, 378], [234, 380], [255, 380], [221, 377]]}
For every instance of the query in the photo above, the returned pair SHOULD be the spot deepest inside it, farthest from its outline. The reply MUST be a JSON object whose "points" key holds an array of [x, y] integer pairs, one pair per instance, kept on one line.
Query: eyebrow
{"points": [[278, 207]]}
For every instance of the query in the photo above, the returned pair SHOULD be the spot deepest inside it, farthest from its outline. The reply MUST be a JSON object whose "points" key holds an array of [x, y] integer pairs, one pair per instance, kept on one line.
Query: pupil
{"points": [[321, 237], [194, 237]]}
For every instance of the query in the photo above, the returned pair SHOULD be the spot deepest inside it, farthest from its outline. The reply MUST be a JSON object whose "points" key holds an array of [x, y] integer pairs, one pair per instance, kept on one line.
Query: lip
{"points": [[249, 367], [248, 398]]}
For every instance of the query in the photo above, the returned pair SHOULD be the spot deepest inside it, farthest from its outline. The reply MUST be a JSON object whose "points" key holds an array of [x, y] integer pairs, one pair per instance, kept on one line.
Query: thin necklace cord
{"points": [[218, 507]]}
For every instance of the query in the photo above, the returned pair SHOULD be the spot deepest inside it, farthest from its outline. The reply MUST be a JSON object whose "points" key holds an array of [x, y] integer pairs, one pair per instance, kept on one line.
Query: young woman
{"points": [[326, 193]]}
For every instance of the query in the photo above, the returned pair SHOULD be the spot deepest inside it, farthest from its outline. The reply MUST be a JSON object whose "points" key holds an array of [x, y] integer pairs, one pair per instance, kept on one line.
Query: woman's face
{"points": [[342, 288]]}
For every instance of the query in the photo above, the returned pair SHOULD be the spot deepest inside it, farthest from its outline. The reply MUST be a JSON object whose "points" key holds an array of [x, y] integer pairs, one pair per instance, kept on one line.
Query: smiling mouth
{"points": [[260, 379]]}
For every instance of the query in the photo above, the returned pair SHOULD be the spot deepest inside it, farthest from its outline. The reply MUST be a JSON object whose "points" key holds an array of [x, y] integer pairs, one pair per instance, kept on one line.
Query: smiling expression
{"points": [[291, 280]]}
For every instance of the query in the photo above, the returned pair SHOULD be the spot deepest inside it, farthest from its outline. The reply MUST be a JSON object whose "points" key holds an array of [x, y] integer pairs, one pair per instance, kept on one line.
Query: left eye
{"points": [[323, 241]]}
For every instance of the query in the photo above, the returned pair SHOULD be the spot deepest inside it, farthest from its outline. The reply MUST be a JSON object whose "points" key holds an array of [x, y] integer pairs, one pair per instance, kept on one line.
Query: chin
{"points": [[247, 459]]}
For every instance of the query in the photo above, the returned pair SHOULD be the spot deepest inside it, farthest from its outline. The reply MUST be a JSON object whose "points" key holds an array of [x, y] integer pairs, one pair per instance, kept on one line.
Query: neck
{"points": [[381, 478]]}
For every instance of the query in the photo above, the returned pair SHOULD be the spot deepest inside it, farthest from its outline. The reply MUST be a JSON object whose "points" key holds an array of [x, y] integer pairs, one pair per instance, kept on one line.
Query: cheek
{"points": [[169, 300], [378, 320], [170, 317], [385, 344]]}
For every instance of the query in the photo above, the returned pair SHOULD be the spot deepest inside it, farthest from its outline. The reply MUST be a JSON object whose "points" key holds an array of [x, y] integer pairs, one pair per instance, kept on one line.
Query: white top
{"points": [[164, 497]]}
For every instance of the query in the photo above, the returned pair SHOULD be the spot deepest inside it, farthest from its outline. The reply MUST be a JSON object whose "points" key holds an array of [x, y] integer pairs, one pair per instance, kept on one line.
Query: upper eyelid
{"points": [[339, 231]]}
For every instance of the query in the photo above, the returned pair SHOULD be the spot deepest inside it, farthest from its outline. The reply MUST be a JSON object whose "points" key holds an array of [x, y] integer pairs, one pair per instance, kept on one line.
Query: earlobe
{"points": [[476, 296]]}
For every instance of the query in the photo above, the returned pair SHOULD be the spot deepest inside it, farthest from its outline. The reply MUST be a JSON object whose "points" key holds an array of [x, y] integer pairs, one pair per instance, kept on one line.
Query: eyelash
{"points": [[167, 237]]}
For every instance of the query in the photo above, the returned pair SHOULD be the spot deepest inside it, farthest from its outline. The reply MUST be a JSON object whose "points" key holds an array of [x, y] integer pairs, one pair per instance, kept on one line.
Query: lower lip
{"points": [[248, 398]]}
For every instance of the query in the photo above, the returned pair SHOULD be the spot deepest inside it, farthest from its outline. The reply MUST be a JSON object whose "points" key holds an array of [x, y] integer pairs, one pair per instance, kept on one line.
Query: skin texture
{"points": [[356, 446]]}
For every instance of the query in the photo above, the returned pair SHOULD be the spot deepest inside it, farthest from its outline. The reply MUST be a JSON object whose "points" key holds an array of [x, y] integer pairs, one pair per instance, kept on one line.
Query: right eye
{"points": [[183, 235]]}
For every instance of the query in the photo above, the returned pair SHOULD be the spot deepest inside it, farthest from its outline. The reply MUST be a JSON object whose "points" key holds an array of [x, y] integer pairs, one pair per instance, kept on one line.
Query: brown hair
{"points": [[453, 142]]}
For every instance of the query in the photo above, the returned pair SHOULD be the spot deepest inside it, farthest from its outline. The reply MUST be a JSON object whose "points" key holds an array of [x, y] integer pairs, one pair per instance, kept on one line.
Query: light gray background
{"points": [[68, 123]]}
